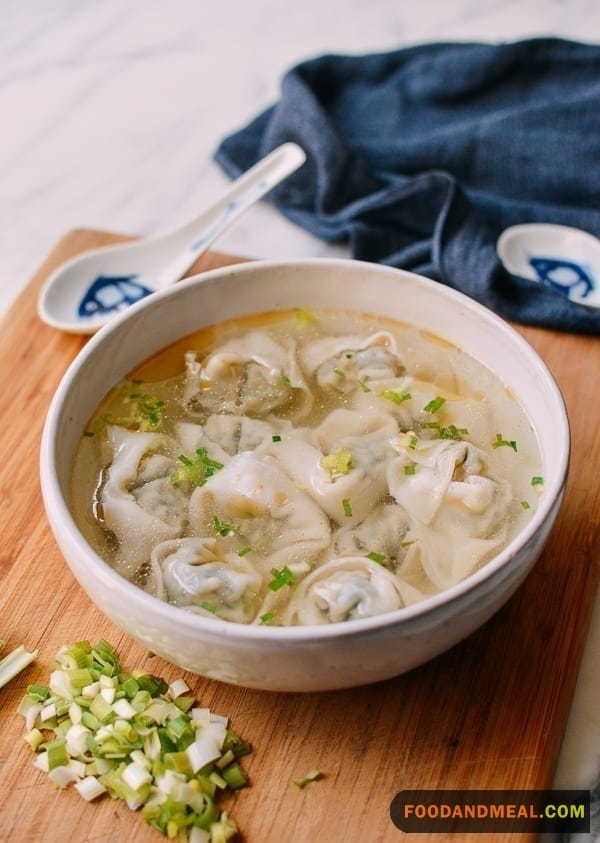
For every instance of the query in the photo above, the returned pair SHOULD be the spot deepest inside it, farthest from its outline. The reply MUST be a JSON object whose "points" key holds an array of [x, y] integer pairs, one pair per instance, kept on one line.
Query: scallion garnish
{"points": [[337, 464], [394, 396], [196, 471], [376, 557], [409, 469], [276, 437], [537, 481], [525, 505], [412, 444], [286, 380], [209, 607], [309, 777], [244, 551], [154, 748], [222, 528], [282, 577], [339, 372], [434, 405], [267, 617], [364, 387], [500, 442], [145, 410]]}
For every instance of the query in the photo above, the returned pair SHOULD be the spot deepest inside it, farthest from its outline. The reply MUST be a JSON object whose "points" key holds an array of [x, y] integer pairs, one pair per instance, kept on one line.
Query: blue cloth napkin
{"points": [[420, 157]]}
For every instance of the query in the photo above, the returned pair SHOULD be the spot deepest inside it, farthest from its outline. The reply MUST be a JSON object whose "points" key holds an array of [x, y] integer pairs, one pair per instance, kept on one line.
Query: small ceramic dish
{"points": [[565, 259]]}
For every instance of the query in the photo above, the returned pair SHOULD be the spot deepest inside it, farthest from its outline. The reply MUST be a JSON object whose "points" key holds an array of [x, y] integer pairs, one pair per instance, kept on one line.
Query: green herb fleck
{"points": [[305, 316], [413, 443], [364, 387], [267, 617], [501, 442], [376, 557], [409, 469], [145, 411], [339, 372], [407, 544], [276, 437], [244, 551], [394, 396], [209, 607], [309, 777], [282, 577], [286, 380], [525, 505], [196, 471], [347, 507], [537, 481], [337, 464], [222, 528], [434, 405]]}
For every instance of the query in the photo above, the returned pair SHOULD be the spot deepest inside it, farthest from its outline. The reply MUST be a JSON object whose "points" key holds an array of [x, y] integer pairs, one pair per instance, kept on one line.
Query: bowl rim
{"points": [[61, 519]]}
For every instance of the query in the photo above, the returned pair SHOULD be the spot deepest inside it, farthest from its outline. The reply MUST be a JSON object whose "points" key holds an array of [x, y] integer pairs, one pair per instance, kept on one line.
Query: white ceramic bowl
{"points": [[316, 657]]}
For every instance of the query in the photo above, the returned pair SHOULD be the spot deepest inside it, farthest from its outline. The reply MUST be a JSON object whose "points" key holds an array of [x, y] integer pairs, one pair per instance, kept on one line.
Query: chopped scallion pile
{"points": [[137, 738]]}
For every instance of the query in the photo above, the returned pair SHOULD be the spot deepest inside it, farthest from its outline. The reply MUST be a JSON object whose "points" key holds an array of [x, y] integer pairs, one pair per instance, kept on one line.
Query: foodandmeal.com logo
{"points": [[492, 811]]}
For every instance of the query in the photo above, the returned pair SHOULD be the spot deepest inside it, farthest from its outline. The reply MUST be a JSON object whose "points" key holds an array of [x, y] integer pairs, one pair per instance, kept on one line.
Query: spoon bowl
{"points": [[85, 292], [560, 257]]}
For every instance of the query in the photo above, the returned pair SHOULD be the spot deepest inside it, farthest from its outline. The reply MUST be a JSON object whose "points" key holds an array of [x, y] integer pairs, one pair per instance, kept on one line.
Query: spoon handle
{"points": [[196, 236]]}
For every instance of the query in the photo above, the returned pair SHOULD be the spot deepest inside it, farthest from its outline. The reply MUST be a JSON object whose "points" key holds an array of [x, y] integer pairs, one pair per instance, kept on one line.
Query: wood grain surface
{"points": [[490, 713]]}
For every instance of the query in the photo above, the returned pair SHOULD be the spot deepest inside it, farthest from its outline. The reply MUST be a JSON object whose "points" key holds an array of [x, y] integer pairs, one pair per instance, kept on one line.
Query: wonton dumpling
{"points": [[344, 361], [344, 589], [191, 571], [383, 531], [251, 375], [140, 505], [365, 438], [456, 512], [268, 513]]}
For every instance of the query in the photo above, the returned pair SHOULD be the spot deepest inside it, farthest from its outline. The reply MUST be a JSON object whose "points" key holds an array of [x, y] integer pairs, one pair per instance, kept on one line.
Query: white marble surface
{"points": [[111, 110]]}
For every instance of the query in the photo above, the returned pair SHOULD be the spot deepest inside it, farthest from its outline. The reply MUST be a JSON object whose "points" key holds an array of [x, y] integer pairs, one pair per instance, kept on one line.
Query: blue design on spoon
{"points": [[109, 294], [564, 276]]}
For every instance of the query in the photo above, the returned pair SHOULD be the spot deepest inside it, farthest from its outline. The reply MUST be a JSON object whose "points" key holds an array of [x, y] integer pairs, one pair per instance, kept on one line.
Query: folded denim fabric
{"points": [[421, 157]]}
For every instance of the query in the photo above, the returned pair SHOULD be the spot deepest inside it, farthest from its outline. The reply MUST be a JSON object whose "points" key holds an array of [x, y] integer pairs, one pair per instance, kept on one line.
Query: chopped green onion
{"points": [[196, 471], [434, 405], [339, 372], [222, 528], [282, 577], [208, 607], [409, 469], [501, 442], [145, 411], [337, 464], [525, 505], [267, 617], [286, 380], [376, 557], [347, 507], [413, 443], [364, 387], [309, 777], [14, 663], [157, 751], [537, 481], [276, 437], [394, 396], [244, 551]]}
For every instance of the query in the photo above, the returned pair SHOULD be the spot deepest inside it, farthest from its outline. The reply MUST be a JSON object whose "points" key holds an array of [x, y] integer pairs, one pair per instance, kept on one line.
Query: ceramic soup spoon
{"points": [[86, 291]]}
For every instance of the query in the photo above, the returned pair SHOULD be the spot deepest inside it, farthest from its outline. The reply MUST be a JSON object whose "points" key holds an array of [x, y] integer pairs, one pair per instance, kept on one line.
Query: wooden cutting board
{"points": [[489, 713]]}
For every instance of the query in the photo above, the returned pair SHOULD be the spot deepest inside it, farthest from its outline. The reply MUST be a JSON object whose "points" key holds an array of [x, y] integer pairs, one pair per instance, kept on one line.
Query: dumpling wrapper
{"points": [[140, 505]]}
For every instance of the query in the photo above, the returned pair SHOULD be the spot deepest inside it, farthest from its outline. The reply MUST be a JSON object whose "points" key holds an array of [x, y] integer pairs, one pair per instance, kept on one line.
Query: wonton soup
{"points": [[305, 467]]}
